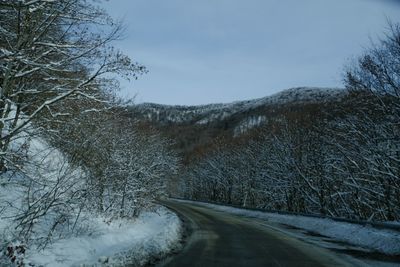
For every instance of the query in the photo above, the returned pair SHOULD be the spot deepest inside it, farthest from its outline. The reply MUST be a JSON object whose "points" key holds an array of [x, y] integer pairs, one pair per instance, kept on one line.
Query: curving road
{"points": [[221, 239]]}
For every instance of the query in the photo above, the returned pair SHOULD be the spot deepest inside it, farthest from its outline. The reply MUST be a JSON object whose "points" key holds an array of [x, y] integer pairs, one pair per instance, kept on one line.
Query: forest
{"points": [[337, 158], [72, 149]]}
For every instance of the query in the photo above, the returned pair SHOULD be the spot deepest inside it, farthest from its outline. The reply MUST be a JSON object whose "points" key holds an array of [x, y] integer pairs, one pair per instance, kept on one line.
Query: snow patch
{"points": [[116, 243], [248, 123]]}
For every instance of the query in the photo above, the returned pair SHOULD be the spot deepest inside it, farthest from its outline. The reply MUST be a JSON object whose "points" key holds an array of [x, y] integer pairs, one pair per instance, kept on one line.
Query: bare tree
{"points": [[375, 83], [51, 51]]}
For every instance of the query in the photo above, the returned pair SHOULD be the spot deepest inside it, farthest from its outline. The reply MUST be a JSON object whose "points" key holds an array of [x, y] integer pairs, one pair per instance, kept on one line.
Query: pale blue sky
{"points": [[208, 51]]}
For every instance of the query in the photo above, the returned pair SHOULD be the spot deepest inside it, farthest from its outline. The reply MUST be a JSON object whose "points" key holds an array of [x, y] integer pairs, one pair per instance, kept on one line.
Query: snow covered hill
{"points": [[205, 114], [195, 127]]}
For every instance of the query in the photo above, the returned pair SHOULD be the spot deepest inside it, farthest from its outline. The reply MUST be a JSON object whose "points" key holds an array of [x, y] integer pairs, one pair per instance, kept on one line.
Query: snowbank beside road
{"points": [[121, 242], [382, 240], [43, 221]]}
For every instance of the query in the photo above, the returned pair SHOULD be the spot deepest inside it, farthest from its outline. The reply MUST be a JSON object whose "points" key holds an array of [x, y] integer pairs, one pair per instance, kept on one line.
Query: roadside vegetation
{"points": [[68, 152]]}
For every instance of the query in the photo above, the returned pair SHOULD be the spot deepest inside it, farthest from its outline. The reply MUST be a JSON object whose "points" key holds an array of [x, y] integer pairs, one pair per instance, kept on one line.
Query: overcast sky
{"points": [[208, 51]]}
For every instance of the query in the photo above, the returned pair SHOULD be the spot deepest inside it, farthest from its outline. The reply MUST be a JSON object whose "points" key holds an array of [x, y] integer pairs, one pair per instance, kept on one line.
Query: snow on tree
{"points": [[51, 51]]}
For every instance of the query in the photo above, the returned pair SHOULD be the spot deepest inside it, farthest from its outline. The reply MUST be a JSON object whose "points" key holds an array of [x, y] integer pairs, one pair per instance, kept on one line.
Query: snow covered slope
{"points": [[196, 127], [118, 243], [205, 114], [42, 223]]}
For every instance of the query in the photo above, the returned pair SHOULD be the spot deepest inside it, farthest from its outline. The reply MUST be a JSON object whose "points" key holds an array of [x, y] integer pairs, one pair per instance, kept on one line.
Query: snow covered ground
{"points": [[98, 241], [378, 240], [102, 242], [121, 242], [46, 188]]}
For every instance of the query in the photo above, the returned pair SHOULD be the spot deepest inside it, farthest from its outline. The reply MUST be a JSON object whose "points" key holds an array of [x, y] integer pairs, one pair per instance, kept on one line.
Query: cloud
{"points": [[212, 51]]}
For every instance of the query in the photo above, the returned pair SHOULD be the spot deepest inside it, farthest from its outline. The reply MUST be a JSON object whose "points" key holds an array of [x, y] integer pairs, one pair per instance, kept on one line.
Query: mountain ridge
{"points": [[194, 127], [218, 111]]}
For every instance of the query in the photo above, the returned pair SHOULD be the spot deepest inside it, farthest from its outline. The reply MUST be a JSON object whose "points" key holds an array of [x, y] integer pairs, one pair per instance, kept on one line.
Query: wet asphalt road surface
{"points": [[221, 239]]}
